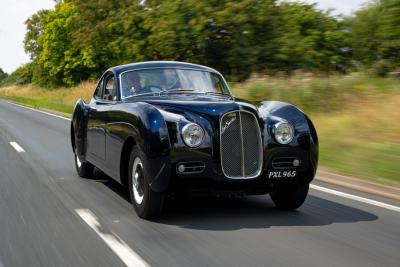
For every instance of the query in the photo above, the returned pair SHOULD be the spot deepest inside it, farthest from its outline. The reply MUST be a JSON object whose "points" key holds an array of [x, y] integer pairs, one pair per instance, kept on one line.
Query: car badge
{"points": [[232, 119]]}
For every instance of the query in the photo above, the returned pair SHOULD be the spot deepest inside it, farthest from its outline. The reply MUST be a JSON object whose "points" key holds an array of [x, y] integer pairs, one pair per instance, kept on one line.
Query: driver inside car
{"points": [[131, 84]]}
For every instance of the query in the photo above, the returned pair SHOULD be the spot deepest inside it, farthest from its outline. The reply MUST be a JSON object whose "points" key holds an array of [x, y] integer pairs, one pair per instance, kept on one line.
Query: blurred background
{"points": [[340, 65]]}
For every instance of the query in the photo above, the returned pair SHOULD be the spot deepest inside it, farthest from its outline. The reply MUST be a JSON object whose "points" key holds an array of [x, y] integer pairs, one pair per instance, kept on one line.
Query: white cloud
{"points": [[12, 30]]}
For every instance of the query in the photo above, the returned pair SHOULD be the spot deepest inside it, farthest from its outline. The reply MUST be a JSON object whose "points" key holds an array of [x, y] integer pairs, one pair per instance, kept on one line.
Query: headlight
{"points": [[192, 134], [283, 132]]}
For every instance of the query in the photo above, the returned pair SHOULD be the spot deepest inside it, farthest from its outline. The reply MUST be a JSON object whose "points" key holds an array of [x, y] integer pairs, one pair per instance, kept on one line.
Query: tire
{"points": [[84, 169], [290, 197], [146, 202]]}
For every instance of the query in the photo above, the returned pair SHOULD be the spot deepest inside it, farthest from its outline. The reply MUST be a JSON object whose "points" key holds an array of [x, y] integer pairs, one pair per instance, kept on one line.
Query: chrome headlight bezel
{"points": [[281, 130], [188, 131]]}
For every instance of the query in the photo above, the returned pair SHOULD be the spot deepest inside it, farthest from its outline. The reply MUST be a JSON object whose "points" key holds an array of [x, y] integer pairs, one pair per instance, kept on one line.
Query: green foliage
{"points": [[35, 27], [58, 55], [375, 35], [3, 75], [79, 39], [382, 67], [22, 75], [310, 40], [389, 30]]}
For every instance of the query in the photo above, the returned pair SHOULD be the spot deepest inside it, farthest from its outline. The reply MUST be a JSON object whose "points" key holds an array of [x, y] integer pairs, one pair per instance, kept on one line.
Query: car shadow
{"points": [[227, 214], [107, 181]]}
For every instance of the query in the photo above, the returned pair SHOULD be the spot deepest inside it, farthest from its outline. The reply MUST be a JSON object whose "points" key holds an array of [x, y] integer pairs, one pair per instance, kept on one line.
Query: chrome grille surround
{"points": [[240, 145]]}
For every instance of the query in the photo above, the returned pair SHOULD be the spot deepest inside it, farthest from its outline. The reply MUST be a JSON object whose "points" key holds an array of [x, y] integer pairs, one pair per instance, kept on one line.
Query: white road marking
{"points": [[17, 147], [320, 188], [123, 251], [357, 198], [41, 111]]}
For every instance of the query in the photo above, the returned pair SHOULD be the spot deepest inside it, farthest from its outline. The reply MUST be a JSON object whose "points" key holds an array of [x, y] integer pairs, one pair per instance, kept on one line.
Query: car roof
{"points": [[159, 64]]}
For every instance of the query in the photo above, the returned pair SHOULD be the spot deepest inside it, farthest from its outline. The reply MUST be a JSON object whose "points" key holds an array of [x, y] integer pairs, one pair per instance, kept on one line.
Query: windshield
{"points": [[171, 80]]}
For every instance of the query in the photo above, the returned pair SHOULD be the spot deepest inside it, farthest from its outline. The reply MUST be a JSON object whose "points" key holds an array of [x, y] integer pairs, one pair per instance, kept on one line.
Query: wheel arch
{"points": [[146, 128], [78, 130]]}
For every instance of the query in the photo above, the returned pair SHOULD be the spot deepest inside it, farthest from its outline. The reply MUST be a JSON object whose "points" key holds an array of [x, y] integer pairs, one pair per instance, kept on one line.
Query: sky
{"points": [[12, 30], [15, 13], [344, 7]]}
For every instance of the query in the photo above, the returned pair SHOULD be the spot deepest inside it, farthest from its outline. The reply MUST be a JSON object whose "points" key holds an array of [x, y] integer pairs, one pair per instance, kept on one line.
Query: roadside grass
{"points": [[362, 140], [60, 99], [357, 117], [316, 94]]}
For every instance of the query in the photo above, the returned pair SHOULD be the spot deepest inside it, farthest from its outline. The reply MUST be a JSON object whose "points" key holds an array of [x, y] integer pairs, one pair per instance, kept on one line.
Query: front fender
{"points": [[147, 126], [305, 140]]}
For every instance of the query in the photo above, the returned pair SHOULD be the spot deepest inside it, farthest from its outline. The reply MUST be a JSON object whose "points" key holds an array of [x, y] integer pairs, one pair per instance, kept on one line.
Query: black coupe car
{"points": [[168, 127]]}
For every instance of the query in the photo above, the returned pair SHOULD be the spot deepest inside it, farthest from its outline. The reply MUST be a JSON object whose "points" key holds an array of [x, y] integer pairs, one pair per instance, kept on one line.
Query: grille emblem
{"points": [[231, 119]]}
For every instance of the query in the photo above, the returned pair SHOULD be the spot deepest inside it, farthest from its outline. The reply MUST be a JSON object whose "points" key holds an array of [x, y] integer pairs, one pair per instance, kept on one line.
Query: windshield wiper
{"points": [[144, 94], [178, 90]]}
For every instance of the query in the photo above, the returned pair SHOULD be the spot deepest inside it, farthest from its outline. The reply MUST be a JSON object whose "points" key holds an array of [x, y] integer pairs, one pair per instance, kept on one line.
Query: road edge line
{"points": [[357, 198], [38, 110]]}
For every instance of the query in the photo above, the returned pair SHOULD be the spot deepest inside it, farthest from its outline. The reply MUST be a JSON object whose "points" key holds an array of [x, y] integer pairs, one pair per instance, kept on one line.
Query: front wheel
{"points": [[84, 169], [289, 197], [147, 203]]}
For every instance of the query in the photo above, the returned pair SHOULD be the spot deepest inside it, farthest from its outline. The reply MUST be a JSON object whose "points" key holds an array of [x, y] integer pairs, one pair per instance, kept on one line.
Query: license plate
{"points": [[281, 174]]}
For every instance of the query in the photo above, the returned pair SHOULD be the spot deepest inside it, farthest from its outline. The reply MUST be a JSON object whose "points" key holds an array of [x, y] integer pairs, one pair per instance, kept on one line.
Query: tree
{"points": [[34, 30], [375, 34], [389, 30], [59, 57], [3, 75], [364, 27], [79, 39], [22, 75], [310, 39]]}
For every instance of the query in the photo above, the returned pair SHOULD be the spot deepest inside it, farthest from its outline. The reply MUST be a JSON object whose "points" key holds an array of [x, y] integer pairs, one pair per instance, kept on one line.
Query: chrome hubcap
{"points": [[138, 181]]}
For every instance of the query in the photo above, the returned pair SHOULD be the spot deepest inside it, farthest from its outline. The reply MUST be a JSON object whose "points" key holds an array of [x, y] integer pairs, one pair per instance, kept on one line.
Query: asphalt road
{"points": [[51, 217]]}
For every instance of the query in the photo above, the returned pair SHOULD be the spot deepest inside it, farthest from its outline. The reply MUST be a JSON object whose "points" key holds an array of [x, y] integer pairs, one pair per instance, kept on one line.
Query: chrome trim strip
{"points": [[241, 143], [241, 133]]}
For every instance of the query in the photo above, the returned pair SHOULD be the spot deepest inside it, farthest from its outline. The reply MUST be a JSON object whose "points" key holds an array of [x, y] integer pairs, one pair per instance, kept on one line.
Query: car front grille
{"points": [[241, 145]]}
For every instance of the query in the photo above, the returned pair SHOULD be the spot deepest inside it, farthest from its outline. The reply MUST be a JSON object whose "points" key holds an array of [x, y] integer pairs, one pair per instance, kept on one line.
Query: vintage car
{"points": [[162, 128]]}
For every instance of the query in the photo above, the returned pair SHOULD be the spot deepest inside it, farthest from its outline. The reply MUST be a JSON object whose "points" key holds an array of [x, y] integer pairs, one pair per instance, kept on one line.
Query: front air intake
{"points": [[241, 145]]}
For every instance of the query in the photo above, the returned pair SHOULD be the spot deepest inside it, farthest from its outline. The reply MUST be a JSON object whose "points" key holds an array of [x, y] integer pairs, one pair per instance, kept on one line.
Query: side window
{"points": [[110, 90], [99, 90], [217, 83]]}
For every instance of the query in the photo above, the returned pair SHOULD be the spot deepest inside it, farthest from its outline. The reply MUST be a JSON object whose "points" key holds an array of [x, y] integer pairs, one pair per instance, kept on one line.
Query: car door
{"points": [[97, 124]]}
